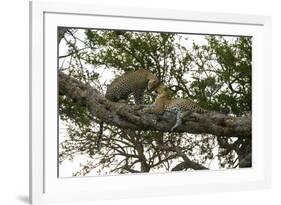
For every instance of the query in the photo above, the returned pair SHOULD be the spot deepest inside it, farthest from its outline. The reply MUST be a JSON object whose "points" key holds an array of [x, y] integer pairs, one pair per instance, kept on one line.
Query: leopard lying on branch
{"points": [[181, 107]]}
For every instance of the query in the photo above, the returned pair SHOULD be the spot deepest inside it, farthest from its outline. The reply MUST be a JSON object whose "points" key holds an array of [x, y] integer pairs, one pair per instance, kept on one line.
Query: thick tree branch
{"points": [[130, 116], [188, 164]]}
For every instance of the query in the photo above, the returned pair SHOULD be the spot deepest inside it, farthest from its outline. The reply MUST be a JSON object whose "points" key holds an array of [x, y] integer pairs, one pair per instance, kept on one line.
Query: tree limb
{"points": [[130, 117], [188, 164]]}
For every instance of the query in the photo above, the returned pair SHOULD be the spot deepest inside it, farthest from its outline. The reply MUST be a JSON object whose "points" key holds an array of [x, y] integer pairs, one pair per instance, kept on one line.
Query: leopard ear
{"points": [[169, 91], [164, 88]]}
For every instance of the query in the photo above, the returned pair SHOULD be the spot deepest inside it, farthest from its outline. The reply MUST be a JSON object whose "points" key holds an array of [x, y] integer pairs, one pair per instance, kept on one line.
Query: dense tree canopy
{"points": [[214, 71]]}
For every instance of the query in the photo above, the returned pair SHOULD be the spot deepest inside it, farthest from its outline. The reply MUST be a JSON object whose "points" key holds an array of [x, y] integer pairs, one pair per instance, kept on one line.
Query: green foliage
{"points": [[214, 71]]}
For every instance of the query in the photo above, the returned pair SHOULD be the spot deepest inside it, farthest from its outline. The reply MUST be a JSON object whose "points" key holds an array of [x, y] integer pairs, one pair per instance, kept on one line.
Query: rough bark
{"points": [[131, 116]]}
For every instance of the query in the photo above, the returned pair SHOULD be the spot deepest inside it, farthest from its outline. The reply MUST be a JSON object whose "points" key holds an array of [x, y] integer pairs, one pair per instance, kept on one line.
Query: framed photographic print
{"points": [[129, 102]]}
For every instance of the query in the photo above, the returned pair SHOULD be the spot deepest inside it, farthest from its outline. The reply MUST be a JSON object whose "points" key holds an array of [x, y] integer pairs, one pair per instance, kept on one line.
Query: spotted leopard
{"points": [[133, 83], [180, 106]]}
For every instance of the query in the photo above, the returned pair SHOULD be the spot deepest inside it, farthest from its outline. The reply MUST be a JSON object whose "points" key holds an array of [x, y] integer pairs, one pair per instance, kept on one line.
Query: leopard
{"points": [[135, 83], [180, 106]]}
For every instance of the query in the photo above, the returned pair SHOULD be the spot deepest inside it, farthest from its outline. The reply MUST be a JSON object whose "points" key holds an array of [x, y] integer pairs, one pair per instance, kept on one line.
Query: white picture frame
{"points": [[46, 187]]}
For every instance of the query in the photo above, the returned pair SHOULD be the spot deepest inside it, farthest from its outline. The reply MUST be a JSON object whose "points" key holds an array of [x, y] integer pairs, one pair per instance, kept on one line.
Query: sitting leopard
{"points": [[132, 83], [180, 106]]}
